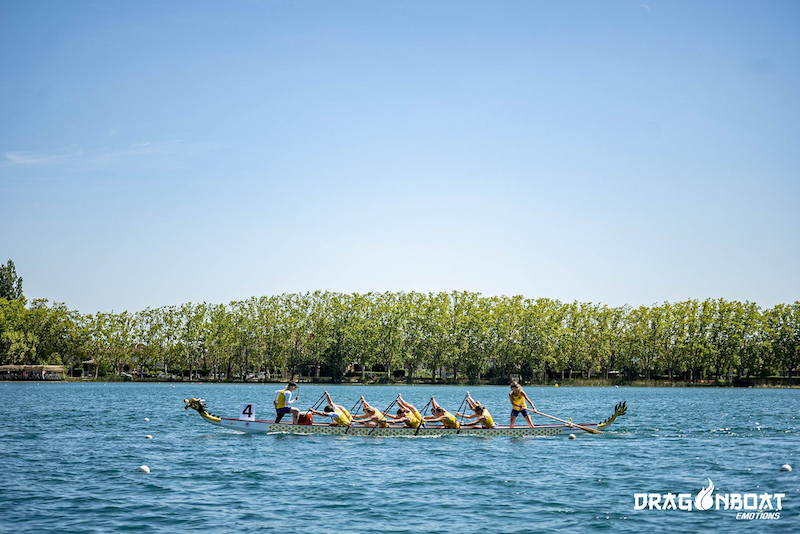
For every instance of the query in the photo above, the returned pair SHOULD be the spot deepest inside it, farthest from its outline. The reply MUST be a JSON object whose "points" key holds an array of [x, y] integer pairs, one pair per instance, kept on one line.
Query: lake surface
{"points": [[71, 454]]}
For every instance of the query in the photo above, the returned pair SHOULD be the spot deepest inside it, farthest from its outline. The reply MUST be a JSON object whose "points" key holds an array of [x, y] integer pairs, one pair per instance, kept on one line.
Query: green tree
{"points": [[17, 343], [219, 342], [783, 323], [436, 323], [753, 340], [10, 283], [726, 337], [506, 329], [480, 339], [387, 331], [53, 327]]}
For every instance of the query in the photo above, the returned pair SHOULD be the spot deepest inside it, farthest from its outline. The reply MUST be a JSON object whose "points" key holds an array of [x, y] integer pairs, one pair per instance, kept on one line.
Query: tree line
{"points": [[411, 336]]}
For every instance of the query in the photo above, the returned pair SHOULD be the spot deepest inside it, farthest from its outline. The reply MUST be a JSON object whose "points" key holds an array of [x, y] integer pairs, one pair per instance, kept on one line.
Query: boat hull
{"points": [[270, 427]]}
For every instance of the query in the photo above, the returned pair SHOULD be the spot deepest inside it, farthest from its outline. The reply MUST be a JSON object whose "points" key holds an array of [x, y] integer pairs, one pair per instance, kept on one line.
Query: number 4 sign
{"points": [[247, 411]]}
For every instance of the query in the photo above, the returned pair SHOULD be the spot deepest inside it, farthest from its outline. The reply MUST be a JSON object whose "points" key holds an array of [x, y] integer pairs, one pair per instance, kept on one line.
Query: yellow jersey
{"points": [[518, 401], [341, 419], [487, 422], [414, 419], [418, 416], [348, 419], [449, 420], [381, 419]]}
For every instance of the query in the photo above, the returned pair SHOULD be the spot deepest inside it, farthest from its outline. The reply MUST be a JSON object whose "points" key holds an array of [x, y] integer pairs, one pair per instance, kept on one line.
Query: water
{"points": [[71, 454]]}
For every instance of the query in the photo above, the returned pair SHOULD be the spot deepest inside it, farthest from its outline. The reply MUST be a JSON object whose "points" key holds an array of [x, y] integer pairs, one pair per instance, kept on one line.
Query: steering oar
{"points": [[588, 429]]}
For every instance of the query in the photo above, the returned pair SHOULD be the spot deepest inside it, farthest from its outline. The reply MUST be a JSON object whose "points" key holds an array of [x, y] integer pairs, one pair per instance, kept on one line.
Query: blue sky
{"points": [[157, 153]]}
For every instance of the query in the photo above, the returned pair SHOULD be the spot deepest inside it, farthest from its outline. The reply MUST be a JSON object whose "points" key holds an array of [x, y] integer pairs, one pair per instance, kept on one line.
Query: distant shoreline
{"points": [[765, 383]]}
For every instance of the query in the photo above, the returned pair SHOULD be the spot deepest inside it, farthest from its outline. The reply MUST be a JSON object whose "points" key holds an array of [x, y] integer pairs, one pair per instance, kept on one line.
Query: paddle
{"points": [[316, 404], [353, 413], [356, 404], [421, 422], [462, 414], [588, 429]]}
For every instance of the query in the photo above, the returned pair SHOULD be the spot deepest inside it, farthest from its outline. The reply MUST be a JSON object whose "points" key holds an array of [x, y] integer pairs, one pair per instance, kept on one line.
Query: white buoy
{"points": [[147, 419], [148, 436], [786, 467], [144, 469], [572, 436]]}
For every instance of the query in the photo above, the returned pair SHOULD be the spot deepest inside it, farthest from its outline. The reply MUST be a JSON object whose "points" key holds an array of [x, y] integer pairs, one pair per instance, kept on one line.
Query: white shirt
{"points": [[287, 394]]}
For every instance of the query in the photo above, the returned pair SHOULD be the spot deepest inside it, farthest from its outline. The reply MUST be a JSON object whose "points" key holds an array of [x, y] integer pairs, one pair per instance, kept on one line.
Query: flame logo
{"points": [[704, 500]]}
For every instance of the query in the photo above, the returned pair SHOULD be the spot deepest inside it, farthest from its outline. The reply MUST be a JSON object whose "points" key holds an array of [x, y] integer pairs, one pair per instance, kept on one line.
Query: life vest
{"points": [[282, 399]]}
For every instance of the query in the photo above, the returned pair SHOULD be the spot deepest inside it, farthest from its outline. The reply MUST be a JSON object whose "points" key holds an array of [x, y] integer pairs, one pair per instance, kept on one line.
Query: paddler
{"points": [[406, 417], [337, 417], [371, 416], [338, 413], [441, 415], [518, 397], [406, 414], [482, 417], [341, 408], [283, 403], [411, 410]]}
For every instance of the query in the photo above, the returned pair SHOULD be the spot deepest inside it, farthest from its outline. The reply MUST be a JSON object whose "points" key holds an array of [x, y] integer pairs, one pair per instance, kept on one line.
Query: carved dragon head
{"points": [[195, 404], [200, 406]]}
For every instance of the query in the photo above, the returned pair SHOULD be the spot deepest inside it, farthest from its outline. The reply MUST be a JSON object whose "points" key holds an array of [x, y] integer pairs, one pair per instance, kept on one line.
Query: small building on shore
{"points": [[88, 368], [31, 372]]}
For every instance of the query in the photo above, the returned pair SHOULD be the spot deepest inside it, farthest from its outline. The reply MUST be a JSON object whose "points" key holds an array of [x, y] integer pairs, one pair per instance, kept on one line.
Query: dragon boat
{"points": [[271, 427]]}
